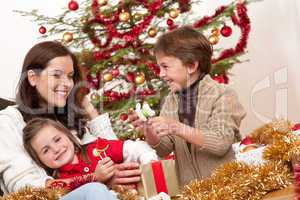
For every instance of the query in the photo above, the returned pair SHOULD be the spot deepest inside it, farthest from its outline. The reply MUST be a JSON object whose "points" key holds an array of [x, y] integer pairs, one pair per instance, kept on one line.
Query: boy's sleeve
{"points": [[222, 128], [138, 151]]}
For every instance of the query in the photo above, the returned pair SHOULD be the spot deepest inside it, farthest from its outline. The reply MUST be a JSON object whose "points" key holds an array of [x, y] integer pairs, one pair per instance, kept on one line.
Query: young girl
{"points": [[53, 147], [200, 118]]}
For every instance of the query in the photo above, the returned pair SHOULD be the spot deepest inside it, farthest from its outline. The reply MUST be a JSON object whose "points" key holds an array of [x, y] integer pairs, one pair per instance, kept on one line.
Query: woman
{"points": [[46, 89], [200, 118]]}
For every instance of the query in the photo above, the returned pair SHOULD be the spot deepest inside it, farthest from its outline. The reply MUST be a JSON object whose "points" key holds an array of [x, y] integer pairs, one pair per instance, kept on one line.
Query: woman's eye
{"points": [[57, 139], [71, 76], [45, 151]]}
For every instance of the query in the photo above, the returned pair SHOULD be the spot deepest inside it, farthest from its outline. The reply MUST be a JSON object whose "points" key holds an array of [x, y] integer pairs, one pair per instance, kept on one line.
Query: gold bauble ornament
{"points": [[95, 97], [107, 77], [102, 2], [137, 17], [213, 39], [83, 20], [124, 16], [215, 32], [152, 32], [173, 13], [139, 79], [68, 37]]}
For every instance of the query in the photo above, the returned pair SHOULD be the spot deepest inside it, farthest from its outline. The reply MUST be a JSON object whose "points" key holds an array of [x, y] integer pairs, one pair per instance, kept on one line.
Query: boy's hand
{"points": [[105, 169], [150, 135]]}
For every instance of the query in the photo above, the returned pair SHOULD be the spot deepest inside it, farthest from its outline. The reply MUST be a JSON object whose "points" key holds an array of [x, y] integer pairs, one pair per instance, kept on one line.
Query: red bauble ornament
{"points": [[226, 31], [247, 140], [123, 116], [42, 30], [130, 77], [73, 5], [170, 22], [115, 72]]}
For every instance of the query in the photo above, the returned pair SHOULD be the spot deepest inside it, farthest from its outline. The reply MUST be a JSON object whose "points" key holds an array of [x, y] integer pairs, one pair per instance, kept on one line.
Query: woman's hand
{"points": [[105, 170], [144, 127], [89, 108], [125, 174]]}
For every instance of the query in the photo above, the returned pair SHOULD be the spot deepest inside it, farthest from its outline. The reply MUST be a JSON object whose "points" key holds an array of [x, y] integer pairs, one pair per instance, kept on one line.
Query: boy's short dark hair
{"points": [[188, 45]]}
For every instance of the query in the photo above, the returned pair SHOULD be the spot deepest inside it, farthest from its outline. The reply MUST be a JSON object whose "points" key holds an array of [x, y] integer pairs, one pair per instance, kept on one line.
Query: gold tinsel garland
{"points": [[233, 180], [238, 181], [30, 193]]}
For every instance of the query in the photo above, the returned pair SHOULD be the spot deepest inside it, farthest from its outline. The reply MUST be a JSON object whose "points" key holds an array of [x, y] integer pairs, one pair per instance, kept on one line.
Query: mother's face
{"points": [[55, 82]]}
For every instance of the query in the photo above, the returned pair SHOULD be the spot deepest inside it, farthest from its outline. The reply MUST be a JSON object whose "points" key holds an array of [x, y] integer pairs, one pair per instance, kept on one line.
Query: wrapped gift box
{"points": [[157, 177]]}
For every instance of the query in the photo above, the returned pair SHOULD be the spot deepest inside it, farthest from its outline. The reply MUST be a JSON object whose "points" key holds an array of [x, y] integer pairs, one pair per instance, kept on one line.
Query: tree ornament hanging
{"points": [[107, 77], [137, 17], [173, 13], [102, 2], [170, 22], [140, 78], [68, 37], [213, 39], [215, 31], [42, 30], [73, 5], [115, 72], [95, 97], [152, 32], [123, 117], [226, 31], [124, 16]]}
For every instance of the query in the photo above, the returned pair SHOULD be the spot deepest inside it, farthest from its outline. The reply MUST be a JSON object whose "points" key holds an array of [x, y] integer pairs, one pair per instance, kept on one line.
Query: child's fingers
{"points": [[104, 161]]}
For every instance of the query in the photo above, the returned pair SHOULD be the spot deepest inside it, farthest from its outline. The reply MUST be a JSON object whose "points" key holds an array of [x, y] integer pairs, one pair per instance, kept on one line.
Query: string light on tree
{"points": [[73, 5]]}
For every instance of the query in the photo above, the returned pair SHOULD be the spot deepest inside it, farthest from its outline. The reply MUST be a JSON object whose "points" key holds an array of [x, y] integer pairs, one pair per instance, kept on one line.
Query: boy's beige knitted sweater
{"points": [[218, 117]]}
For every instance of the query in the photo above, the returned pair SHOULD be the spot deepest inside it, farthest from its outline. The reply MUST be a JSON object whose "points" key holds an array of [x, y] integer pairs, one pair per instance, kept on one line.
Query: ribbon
{"points": [[159, 177]]}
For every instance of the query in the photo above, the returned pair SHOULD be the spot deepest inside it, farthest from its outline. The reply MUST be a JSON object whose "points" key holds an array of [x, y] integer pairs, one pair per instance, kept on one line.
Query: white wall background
{"points": [[267, 85]]}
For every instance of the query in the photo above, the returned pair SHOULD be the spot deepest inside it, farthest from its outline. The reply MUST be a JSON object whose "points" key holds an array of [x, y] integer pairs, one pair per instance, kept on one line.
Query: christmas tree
{"points": [[114, 39]]}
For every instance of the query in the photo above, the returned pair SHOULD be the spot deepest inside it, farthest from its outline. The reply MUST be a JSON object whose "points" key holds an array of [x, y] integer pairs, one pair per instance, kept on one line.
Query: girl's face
{"points": [[173, 71], [53, 147], [55, 82]]}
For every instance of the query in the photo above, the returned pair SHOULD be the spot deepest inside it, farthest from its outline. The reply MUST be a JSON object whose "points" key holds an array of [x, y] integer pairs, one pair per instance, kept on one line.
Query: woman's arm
{"points": [[17, 168]]}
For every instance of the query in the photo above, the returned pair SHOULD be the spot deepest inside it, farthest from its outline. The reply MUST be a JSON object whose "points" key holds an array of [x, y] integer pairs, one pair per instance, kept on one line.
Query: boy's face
{"points": [[173, 71], [53, 147]]}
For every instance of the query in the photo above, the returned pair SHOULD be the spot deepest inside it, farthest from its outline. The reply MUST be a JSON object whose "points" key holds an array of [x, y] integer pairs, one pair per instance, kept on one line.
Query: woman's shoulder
{"points": [[11, 113]]}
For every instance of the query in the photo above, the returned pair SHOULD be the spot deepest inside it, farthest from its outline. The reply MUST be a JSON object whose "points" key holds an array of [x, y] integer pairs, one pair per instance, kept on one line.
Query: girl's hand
{"points": [[105, 170], [144, 127]]}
